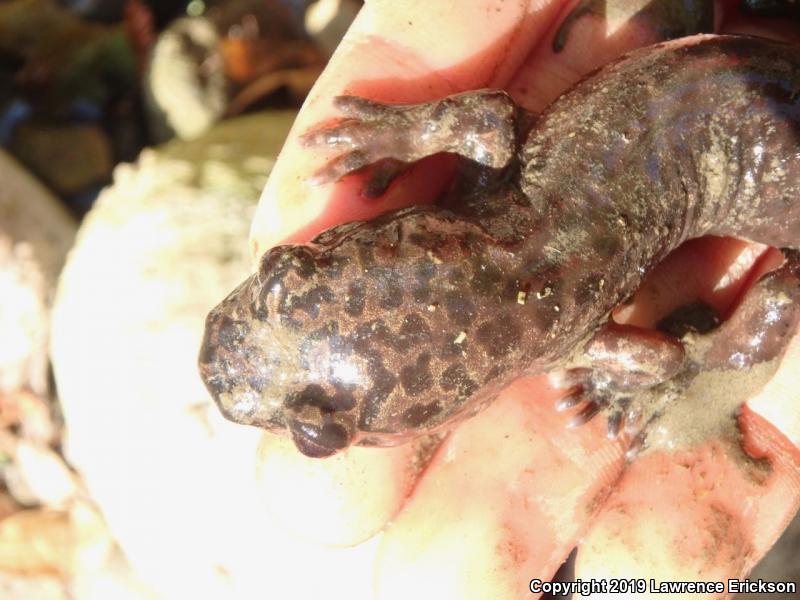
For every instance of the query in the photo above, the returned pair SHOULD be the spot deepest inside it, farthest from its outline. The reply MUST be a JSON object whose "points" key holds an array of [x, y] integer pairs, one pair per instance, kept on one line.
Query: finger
{"points": [[733, 496], [708, 514], [589, 34], [504, 500], [720, 503], [778, 448], [775, 411], [340, 500], [710, 270], [396, 52]]}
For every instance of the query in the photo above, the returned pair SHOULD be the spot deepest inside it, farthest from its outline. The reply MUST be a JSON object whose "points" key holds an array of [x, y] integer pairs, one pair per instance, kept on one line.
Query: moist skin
{"points": [[378, 332]]}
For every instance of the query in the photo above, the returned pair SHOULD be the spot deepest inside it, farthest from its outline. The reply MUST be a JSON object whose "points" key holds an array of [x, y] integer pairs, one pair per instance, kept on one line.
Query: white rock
{"points": [[35, 234], [175, 481], [39, 476]]}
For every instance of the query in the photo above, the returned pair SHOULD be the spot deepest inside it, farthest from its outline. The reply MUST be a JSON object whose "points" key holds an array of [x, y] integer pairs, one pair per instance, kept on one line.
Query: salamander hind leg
{"points": [[612, 368], [479, 126], [671, 393], [726, 368]]}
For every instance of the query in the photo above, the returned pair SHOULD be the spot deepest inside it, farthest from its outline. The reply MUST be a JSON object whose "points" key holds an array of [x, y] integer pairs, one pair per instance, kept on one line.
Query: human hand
{"points": [[510, 492]]}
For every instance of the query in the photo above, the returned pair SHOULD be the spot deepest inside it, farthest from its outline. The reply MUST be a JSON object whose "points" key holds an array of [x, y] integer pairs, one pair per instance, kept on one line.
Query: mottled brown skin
{"points": [[381, 331]]}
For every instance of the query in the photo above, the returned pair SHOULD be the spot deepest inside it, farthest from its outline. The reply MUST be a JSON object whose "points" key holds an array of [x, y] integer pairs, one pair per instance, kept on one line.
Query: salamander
{"points": [[378, 332]]}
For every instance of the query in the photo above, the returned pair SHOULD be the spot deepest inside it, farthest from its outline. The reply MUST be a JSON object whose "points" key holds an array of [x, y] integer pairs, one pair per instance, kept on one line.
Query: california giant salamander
{"points": [[377, 332]]}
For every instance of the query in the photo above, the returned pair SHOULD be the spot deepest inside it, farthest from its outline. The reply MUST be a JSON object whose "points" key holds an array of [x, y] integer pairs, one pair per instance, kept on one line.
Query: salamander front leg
{"points": [[618, 362], [480, 126]]}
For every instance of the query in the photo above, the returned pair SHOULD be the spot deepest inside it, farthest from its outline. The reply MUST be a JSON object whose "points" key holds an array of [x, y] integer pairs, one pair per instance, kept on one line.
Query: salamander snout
{"points": [[232, 366], [264, 367]]}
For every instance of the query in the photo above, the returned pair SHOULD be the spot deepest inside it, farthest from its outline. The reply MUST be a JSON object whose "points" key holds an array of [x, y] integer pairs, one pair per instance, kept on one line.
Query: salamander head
{"points": [[381, 332], [263, 368]]}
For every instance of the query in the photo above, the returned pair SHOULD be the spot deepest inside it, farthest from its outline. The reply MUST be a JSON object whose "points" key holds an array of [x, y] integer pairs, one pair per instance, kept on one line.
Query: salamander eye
{"points": [[320, 441]]}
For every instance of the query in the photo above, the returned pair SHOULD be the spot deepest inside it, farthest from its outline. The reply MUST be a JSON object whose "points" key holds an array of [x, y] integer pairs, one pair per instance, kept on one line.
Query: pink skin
{"points": [[509, 493]]}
